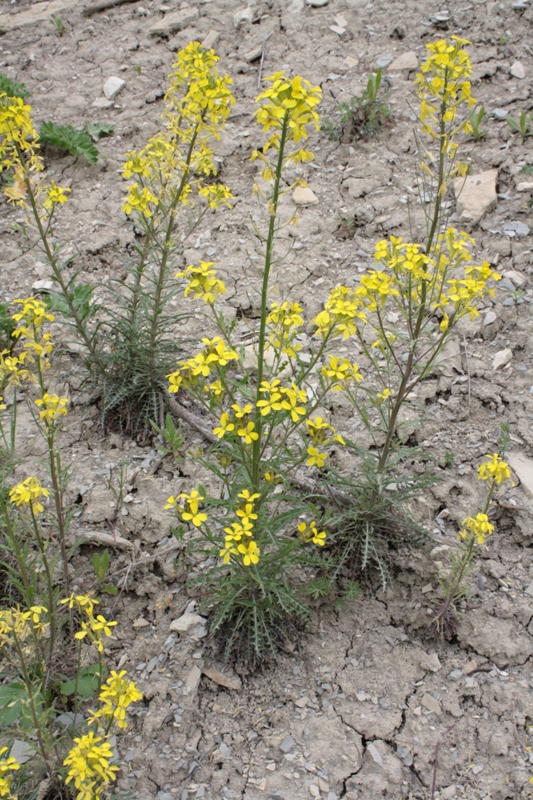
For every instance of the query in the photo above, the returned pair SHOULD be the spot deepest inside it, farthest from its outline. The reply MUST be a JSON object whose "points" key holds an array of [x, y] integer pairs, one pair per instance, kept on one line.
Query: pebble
{"points": [[317, 3], [517, 70], [141, 623], [187, 623], [384, 61], [102, 103], [210, 40], [489, 318], [301, 702], [407, 60], [113, 86], [520, 228], [243, 15], [525, 186], [172, 23], [523, 467], [431, 703], [376, 755], [287, 744], [502, 358], [351, 62], [448, 792], [516, 277], [476, 195], [304, 196], [499, 113], [314, 790]]}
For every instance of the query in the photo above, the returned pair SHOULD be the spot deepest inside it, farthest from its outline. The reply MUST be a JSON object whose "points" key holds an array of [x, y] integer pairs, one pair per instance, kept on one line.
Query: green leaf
{"points": [[88, 681], [66, 137], [11, 88], [98, 129], [110, 589]]}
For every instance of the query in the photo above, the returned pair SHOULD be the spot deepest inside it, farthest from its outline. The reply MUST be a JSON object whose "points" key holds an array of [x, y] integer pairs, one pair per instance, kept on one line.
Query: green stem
{"points": [[50, 588], [256, 453]]}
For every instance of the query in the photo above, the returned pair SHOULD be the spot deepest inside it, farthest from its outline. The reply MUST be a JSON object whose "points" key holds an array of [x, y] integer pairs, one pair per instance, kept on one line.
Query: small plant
{"points": [[97, 130], [472, 536], [12, 88], [449, 458], [173, 441], [67, 138], [101, 565], [523, 125], [362, 116], [7, 326], [476, 118], [58, 24]]}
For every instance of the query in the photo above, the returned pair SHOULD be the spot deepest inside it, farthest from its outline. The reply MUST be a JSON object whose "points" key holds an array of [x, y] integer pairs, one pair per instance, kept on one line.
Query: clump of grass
{"points": [[362, 116]]}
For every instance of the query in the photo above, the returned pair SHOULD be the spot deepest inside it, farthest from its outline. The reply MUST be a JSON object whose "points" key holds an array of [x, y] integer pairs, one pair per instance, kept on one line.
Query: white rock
{"points": [[407, 60], [304, 196], [244, 15], [517, 70], [113, 86], [351, 62], [43, 286], [295, 6], [337, 29], [489, 318], [172, 23], [476, 195], [502, 358], [376, 755], [448, 792], [523, 467], [140, 623], [187, 623], [317, 3], [193, 679], [431, 703], [210, 40], [517, 278], [525, 186], [102, 102]]}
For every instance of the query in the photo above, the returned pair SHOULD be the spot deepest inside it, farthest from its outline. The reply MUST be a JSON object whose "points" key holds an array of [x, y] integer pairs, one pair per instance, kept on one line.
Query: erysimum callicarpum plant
{"points": [[266, 423], [129, 337], [405, 310]]}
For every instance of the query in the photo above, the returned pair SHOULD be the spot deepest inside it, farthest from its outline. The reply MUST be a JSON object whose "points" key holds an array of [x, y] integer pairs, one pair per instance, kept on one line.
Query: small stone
{"points": [[43, 286], [517, 70], [489, 318], [187, 623], [254, 55], [113, 86], [172, 23], [529, 589], [525, 186], [427, 588], [499, 113], [304, 196], [522, 466], [431, 703], [376, 755], [287, 744], [301, 702], [520, 228], [68, 719], [152, 664], [228, 680], [210, 40], [502, 358], [384, 61], [141, 623], [476, 195], [317, 3], [351, 62], [431, 662], [407, 60], [337, 29], [322, 785], [243, 15], [102, 103], [456, 674], [314, 790], [448, 792], [193, 679]]}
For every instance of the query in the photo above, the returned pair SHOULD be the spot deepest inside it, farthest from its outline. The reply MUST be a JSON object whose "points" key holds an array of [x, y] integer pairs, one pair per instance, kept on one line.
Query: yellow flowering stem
{"points": [[53, 261], [466, 558], [269, 248], [440, 180], [166, 247]]}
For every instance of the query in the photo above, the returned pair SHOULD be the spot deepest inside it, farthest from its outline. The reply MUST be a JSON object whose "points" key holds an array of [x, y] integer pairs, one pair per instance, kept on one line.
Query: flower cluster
{"points": [[52, 407], [215, 355], [202, 282], [95, 627], [341, 310], [309, 533], [496, 470], [37, 345], [29, 494], [287, 107], [188, 507], [170, 167], [116, 695], [55, 195], [7, 767], [285, 321], [478, 526], [89, 766], [340, 373], [239, 535], [18, 137]]}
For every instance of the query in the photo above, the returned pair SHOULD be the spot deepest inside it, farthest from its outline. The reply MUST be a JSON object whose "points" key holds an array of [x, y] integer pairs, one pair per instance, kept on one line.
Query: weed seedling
{"points": [[58, 24], [524, 124], [476, 118]]}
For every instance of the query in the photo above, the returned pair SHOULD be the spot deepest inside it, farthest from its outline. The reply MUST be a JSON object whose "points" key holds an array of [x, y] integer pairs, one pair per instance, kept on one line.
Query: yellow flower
{"points": [[316, 458], [228, 550], [382, 396], [175, 379], [310, 533], [189, 507], [29, 493], [89, 766], [52, 407], [202, 283], [238, 529], [342, 308], [54, 195], [95, 628], [82, 602], [248, 433], [7, 766], [341, 372], [116, 695], [225, 426], [139, 200], [321, 432], [479, 526], [33, 312], [495, 469], [216, 195], [250, 553], [288, 105]]}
